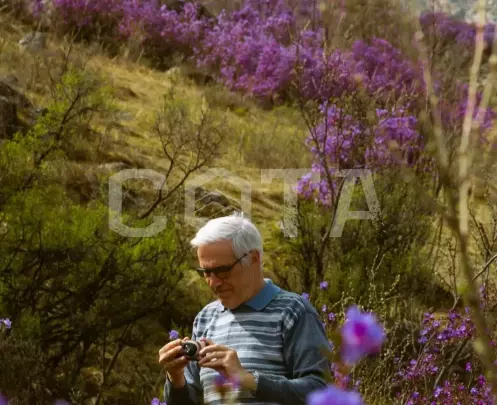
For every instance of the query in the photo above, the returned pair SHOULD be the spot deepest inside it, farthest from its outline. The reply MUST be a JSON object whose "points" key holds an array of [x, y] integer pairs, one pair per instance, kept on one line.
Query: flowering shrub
{"points": [[360, 335], [444, 372], [160, 30], [450, 29], [378, 78], [246, 51]]}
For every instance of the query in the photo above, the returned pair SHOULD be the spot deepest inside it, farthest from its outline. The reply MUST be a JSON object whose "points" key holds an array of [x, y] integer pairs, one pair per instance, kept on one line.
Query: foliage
{"points": [[63, 275], [64, 272]]}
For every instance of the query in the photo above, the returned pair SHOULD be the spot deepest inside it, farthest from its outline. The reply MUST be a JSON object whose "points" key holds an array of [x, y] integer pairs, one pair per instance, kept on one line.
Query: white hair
{"points": [[243, 234]]}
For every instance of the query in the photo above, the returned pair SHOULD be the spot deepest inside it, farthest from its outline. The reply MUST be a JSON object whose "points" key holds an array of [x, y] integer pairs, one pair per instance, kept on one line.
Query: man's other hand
{"points": [[226, 362]]}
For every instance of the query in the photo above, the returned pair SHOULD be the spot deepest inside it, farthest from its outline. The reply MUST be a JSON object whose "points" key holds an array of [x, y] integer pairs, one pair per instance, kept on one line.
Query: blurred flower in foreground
{"points": [[156, 401], [333, 395], [361, 335], [224, 385], [173, 335], [6, 322], [3, 400]]}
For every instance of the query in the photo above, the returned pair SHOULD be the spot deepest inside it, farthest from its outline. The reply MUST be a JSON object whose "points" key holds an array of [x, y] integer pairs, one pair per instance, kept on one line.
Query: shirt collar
{"points": [[262, 298]]}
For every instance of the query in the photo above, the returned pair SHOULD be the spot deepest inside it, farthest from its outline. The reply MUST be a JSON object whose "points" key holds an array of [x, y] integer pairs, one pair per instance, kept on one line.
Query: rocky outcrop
{"points": [[34, 41], [9, 123], [17, 113], [20, 100]]}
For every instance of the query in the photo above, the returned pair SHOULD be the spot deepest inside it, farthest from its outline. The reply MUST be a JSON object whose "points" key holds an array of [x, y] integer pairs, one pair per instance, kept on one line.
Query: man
{"points": [[269, 339]]}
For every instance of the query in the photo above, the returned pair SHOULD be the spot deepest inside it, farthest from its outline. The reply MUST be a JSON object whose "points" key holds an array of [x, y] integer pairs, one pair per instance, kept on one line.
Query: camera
{"points": [[191, 348]]}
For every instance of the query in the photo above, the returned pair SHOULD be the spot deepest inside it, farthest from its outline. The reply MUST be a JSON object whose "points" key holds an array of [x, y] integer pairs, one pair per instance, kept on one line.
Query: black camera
{"points": [[191, 348]]}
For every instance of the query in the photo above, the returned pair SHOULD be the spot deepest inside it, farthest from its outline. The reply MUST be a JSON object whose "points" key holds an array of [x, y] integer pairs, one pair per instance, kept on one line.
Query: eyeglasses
{"points": [[221, 272]]}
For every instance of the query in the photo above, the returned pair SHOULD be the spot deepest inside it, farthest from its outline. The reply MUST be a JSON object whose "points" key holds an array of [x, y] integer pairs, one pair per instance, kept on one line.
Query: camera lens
{"points": [[190, 349]]}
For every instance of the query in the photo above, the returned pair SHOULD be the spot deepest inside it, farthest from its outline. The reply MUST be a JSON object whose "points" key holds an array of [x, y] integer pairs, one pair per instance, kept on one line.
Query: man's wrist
{"points": [[249, 381], [177, 381]]}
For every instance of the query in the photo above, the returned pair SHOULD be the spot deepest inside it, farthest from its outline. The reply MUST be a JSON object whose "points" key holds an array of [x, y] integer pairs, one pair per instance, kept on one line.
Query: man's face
{"points": [[239, 285]]}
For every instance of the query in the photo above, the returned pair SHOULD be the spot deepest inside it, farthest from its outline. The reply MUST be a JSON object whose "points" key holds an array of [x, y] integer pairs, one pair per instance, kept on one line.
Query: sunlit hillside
{"points": [[122, 116]]}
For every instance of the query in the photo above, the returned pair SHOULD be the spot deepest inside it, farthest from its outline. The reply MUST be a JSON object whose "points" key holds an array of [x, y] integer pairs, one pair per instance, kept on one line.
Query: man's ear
{"points": [[256, 257]]}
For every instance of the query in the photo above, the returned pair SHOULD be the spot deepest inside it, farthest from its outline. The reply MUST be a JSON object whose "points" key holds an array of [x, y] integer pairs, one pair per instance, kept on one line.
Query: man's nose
{"points": [[214, 281]]}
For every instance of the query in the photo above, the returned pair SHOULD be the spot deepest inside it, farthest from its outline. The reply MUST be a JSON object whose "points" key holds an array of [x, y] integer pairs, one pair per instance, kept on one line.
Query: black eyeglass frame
{"points": [[221, 272]]}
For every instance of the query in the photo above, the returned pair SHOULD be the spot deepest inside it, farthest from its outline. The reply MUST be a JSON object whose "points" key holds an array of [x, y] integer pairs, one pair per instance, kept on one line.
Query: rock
{"points": [[9, 122], [13, 100], [209, 197], [20, 100], [125, 93], [34, 41], [113, 167], [3, 228], [10, 80], [41, 111], [210, 204]]}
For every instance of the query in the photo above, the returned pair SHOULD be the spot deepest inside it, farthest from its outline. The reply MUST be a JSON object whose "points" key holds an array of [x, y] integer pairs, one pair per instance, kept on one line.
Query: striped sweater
{"points": [[277, 334]]}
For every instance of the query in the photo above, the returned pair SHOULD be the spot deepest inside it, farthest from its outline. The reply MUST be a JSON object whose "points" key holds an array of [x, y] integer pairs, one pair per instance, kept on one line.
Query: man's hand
{"points": [[174, 364], [226, 362]]}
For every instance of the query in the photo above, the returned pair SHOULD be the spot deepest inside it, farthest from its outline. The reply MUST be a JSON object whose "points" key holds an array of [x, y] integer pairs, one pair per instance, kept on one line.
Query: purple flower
{"points": [[331, 317], [220, 380], [332, 395], [156, 401], [223, 384], [324, 308], [361, 335], [6, 322], [305, 296], [3, 400], [173, 335], [323, 285]]}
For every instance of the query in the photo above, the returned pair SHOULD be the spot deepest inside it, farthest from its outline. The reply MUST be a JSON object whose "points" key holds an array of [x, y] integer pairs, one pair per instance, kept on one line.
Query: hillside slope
{"points": [[257, 139]]}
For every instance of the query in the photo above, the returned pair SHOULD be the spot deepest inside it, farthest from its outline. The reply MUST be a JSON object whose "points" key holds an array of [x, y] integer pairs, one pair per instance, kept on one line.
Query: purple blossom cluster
{"points": [[418, 380], [83, 13], [452, 392], [340, 140], [160, 28], [385, 71], [257, 48], [395, 87], [440, 339], [451, 29], [265, 49], [246, 49]]}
